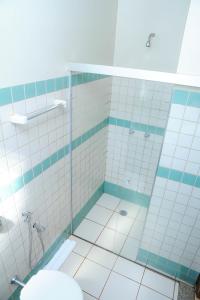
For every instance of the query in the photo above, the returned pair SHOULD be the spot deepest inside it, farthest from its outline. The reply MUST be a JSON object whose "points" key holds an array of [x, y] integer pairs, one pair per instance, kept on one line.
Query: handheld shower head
{"points": [[150, 37]]}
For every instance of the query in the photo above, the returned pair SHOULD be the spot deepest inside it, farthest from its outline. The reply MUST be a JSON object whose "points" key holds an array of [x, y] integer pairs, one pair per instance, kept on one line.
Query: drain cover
{"points": [[123, 212]]}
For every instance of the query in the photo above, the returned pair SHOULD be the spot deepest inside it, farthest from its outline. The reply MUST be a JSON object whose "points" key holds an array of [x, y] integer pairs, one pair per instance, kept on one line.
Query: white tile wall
{"points": [[140, 101], [172, 228], [131, 158], [22, 147]]}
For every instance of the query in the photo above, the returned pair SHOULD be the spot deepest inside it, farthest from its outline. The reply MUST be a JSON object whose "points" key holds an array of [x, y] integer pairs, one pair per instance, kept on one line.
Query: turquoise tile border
{"points": [[28, 90], [59, 241], [28, 176], [5, 96], [168, 266], [179, 176], [136, 126], [186, 97], [31, 174], [126, 194], [32, 89]]}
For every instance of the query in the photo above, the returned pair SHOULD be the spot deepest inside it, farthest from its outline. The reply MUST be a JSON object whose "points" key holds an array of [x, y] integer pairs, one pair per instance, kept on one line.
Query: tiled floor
{"points": [[106, 276], [105, 226]]}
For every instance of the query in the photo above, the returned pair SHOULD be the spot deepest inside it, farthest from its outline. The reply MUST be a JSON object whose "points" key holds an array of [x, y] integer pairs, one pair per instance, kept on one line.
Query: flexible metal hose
{"points": [[41, 241], [30, 244], [40, 228]]}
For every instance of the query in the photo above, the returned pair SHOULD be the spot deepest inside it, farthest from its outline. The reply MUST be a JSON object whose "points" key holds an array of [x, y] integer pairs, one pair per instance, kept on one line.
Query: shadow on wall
{"points": [[5, 225]]}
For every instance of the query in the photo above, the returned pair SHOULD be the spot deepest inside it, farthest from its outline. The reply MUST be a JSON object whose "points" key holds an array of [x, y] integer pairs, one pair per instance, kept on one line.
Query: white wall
{"points": [[38, 37], [189, 62], [136, 19]]}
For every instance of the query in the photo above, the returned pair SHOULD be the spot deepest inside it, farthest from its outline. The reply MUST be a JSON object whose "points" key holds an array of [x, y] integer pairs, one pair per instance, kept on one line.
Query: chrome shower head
{"points": [[148, 43]]}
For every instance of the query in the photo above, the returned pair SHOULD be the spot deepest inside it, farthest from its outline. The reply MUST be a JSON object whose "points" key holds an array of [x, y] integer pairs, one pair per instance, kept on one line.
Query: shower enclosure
{"points": [[118, 127], [129, 192]]}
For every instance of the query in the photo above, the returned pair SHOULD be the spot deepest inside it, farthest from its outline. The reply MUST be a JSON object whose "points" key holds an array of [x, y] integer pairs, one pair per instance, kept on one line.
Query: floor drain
{"points": [[123, 213]]}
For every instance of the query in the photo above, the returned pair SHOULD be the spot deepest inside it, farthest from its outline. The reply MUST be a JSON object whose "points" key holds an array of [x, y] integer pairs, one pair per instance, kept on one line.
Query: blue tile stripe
{"points": [[31, 174], [136, 126], [27, 177], [186, 97], [178, 176], [168, 266], [29, 90], [59, 241], [126, 194]]}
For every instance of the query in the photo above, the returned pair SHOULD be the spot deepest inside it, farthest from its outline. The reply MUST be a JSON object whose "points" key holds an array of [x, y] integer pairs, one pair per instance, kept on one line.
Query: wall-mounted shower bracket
{"points": [[27, 216], [146, 135], [131, 131]]}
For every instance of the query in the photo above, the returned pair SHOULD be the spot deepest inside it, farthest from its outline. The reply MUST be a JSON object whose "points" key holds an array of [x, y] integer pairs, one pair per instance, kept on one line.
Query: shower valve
{"points": [[39, 227], [27, 216]]}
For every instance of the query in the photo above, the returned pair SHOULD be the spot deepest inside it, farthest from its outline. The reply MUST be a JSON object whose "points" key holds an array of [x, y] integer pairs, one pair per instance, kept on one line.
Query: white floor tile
{"points": [[131, 208], [159, 283], [120, 223], [148, 294], [82, 247], [108, 201], [136, 230], [130, 248], [119, 287], [129, 269], [92, 277], [176, 291], [99, 214], [71, 264], [88, 297], [142, 214], [111, 240], [102, 257], [89, 230]]}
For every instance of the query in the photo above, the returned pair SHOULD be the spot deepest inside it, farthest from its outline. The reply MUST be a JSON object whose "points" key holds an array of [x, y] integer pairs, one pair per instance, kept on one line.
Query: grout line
{"points": [[113, 271], [156, 291], [128, 259]]}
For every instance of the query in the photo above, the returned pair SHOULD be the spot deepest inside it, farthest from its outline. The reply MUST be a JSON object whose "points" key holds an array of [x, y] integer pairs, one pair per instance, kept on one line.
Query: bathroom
{"points": [[99, 150]]}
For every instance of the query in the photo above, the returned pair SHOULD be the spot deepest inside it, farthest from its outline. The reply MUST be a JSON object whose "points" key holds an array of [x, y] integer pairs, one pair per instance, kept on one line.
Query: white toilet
{"points": [[51, 285]]}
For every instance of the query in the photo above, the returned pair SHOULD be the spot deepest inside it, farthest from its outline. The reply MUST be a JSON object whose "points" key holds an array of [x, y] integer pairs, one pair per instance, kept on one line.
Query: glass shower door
{"points": [[118, 129]]}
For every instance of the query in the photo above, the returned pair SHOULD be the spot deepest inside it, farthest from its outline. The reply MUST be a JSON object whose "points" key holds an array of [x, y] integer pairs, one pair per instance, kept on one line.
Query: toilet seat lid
{"points": [[51, 285]]}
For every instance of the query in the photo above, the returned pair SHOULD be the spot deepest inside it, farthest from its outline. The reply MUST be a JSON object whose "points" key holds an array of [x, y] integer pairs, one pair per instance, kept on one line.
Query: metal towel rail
{"points": [[23, 119]]}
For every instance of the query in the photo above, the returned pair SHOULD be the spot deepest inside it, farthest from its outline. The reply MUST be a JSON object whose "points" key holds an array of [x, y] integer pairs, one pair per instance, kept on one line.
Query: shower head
{"points": [[148, 43]]}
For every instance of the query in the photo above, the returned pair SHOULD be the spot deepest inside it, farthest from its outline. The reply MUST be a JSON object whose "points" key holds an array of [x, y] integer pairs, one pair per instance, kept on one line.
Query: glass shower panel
{"points": [[90, 111], [118, 130], [138, 117]]}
